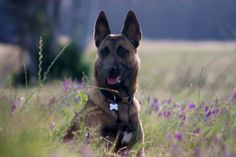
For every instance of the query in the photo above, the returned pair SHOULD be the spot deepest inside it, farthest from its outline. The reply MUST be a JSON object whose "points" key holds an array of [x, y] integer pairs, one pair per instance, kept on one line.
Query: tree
{"points": [[52, 19]]}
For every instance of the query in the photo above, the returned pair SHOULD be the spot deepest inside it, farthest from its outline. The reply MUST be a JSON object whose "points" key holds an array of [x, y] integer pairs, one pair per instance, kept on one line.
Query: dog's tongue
{"points": [[113, 80]]}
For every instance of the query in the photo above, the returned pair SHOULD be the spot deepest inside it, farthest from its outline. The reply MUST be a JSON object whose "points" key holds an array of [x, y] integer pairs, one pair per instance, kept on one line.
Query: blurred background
{"points": [[189, 34]]}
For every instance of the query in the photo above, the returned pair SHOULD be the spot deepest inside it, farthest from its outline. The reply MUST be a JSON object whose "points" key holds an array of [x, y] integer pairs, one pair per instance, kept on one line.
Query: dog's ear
{"points": [[132, 29], [101, 28]]}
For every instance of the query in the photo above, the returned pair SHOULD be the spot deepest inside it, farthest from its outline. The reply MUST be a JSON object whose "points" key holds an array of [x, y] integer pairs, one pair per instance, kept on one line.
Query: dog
{"points": [[112, 110]]}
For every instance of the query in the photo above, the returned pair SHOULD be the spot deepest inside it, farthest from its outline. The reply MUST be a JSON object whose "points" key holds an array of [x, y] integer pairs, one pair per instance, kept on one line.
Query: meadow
{"points": [[187, 92]]}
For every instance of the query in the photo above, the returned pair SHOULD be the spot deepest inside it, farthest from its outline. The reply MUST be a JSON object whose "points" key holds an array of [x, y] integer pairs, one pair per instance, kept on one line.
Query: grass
{"points": [[188, 97]]}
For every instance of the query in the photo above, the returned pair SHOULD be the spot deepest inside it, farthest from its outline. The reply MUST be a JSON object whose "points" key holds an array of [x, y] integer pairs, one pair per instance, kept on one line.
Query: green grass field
{"points": [[187, 92]]}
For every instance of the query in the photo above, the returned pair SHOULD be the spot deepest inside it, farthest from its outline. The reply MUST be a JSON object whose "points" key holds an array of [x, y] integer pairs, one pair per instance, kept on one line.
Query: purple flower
{"points": [[148, 99], [154, 105], [234, 132], [196, 131], [166, 113], [214, 112], [179, 136], [206, 109], [234, 94], [191, 105], [17, 104], [166, 101], [208, 114], [66, 85], [78, 85]]}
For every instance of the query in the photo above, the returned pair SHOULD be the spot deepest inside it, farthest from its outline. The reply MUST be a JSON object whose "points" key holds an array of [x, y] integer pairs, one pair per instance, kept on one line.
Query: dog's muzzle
{"points": [[117, 73], [114, 76]]}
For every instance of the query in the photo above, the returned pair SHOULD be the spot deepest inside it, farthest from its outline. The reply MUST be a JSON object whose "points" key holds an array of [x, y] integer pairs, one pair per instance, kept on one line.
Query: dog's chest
{"points": [[120, 127]]}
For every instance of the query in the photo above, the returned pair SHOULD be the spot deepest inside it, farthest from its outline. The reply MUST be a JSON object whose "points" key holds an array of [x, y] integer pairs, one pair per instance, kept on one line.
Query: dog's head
{"points": [[117, 61]]}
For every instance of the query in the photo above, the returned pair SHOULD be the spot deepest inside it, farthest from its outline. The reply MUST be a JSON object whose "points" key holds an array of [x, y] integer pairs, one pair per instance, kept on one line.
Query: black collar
{"points": [[113, 96]]}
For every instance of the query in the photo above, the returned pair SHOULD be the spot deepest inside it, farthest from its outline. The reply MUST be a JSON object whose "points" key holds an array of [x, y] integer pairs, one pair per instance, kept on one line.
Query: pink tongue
{"points": [[112, 81]]}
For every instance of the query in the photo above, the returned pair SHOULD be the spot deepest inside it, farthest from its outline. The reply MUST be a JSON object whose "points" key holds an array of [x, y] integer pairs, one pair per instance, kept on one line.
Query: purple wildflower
{"points": [[234, 94], [179, 136], [17, 104], [148, 99], [214, 112], [166, 101], [234, 132], [208, 114], [154, 105], [196, 131], [211, 113], [78, 85], [191, 105], [66, 85], [166, 113], [206, 109]]}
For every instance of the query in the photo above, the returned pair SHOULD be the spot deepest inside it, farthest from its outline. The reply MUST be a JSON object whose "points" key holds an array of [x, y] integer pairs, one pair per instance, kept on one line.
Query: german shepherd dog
{"points": [[112, 110]]}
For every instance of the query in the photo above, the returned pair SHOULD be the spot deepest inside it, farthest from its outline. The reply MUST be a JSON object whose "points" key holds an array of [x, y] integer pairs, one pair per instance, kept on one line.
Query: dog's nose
{"points": [[114, 70]]}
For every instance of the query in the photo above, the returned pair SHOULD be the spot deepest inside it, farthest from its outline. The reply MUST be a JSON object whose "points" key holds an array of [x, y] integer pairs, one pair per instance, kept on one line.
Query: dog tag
{"points": [[113, 106]]}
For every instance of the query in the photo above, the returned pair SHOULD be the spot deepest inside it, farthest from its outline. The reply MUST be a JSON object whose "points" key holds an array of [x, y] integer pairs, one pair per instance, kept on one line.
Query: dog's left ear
{"points": [[132, 29]]}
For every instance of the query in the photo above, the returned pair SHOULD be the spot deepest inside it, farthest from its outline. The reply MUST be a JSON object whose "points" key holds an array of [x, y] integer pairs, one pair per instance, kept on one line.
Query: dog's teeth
{"points": [[118, 79]]}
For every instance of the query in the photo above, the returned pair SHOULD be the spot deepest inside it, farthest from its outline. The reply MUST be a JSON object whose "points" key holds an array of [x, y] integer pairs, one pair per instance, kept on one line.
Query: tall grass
{"points": [[33, 126]]}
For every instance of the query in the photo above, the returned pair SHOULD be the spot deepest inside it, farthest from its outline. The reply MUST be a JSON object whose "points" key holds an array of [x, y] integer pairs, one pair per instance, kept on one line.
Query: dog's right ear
{"points": [[101, 28], [132, 29]]}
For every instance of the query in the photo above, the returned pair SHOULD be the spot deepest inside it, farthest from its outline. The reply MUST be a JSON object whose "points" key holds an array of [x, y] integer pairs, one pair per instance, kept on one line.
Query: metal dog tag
{"points": [[113, 106]]}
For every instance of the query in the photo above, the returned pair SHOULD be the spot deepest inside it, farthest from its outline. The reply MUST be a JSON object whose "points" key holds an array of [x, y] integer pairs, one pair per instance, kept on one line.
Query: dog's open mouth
{"points": [[112, 80]]}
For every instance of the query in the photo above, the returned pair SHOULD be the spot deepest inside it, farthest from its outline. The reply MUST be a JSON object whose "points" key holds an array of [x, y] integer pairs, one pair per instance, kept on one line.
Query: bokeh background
{"points": [[179, 39]]}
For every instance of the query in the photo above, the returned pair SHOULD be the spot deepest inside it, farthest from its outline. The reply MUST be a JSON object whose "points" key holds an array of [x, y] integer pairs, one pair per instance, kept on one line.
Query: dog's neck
{"points": [[113, 96]]}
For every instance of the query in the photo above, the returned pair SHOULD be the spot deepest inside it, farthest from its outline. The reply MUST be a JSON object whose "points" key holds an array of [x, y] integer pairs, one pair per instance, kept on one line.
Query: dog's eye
{"points": [[104, 52], [122, 52]]}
